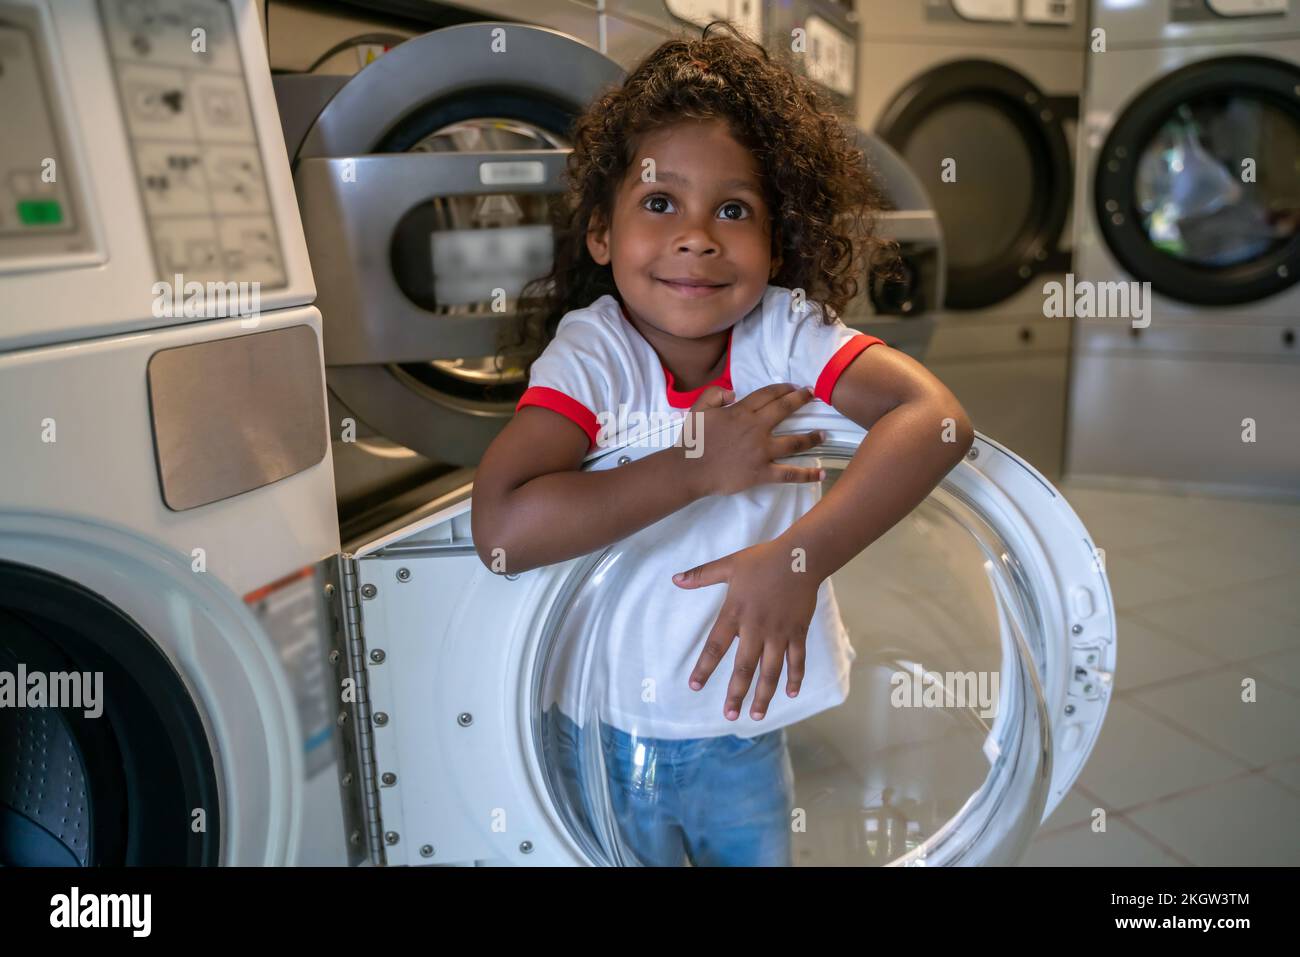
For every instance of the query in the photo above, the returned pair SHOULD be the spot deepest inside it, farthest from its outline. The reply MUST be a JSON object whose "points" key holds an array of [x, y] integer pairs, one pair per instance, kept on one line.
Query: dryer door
{"points": [[436, 159], [984, 635], [1004, 224], [1196, 187]]}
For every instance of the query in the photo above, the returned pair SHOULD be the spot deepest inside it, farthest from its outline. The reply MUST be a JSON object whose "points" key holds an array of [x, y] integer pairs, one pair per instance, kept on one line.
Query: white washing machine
{"points": [[464, 671], [981, 98], [1187, 181], [167, 500]]}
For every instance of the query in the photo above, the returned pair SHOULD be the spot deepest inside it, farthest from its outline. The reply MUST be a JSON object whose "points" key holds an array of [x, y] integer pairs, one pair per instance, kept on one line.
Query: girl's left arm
{"points": [[917, 432]]}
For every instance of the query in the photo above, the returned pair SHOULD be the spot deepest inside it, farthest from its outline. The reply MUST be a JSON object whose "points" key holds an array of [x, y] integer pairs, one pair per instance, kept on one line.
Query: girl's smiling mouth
{"points": [[692, 288]]}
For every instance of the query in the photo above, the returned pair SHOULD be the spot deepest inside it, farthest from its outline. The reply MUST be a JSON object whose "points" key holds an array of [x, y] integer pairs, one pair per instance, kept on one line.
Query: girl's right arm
{"points": [[533, 505]]}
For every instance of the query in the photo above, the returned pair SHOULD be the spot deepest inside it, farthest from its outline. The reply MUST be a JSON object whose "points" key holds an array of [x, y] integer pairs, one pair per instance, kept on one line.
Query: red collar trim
{"points": [[676, 398]]}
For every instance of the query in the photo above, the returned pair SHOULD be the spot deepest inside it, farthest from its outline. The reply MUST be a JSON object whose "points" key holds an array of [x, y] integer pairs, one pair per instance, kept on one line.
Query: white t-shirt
{"points": [[639, 648]]}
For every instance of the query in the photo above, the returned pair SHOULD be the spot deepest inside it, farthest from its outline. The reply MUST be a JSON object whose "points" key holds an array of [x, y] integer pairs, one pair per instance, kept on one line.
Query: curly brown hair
{"points": [[817, 184]]}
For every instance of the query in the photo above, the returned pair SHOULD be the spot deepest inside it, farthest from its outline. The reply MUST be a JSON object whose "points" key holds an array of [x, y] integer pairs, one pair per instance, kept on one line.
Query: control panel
{"points": [[42, 213], [198, 162]]}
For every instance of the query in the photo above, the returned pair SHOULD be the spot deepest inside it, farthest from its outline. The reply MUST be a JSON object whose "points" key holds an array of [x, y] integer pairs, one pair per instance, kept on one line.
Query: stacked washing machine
{"points": [[1188, 181], [167, 495], [981, 99], [389, 166]]}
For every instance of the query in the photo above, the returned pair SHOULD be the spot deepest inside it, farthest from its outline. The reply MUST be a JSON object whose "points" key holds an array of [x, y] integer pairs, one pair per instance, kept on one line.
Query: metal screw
{"points": [[1087, 689], [342, 718], [329, 589], [526, 847], [1069, 709], [335, 656], [381, 718], [1092, 659], [354, 838], [464, 719], [347, 779], [624, 459], [1077, 630], [973, 454], [426, 850], [378, 656], [390, 837], [403, 574], [369, 591], [389, 779]]}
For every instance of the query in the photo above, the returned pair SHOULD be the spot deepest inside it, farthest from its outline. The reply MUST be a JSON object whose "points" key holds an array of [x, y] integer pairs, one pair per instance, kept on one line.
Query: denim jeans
{"points": [[722, 801]]}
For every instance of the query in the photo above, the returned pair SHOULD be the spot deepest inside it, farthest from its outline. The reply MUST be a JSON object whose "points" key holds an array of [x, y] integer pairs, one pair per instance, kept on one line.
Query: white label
{"points": [[511, 173], [1049, 11], [987, 11]]}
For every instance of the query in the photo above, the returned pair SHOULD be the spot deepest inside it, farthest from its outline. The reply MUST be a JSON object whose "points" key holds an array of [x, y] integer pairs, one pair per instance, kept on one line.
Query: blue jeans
{"points": [[723, 801]]}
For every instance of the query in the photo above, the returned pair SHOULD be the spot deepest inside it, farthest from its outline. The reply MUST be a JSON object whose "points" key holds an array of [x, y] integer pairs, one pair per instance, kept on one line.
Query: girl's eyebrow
{"points": [[670, 177]]}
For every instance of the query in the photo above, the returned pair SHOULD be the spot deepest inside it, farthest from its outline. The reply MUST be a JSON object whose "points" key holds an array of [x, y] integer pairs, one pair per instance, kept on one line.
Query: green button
{"points": [[39, 212]]}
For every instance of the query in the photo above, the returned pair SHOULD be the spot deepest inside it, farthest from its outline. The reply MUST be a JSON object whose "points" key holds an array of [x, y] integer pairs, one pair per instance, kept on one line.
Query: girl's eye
{"points": [[661, 198]]}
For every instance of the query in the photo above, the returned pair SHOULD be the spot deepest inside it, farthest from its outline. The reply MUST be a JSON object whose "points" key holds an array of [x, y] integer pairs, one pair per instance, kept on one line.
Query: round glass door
{"points": [[1198, 189], [941, 753], [1003, 224], [438, 243]]}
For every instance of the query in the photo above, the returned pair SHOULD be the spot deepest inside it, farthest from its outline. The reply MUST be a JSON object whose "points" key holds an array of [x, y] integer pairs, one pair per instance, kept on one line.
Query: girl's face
{"points": [[703, 218]]}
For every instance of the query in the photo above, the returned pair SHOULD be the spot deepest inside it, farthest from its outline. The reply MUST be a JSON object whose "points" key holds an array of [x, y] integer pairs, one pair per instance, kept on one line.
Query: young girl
{"points": [[709, 197]]}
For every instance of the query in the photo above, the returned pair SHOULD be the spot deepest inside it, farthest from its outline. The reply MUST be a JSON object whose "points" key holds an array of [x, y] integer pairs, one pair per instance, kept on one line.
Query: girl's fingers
{"points": [[796, 473], [742, 674], [787, 445], [714, 397], [719, 639], [769, 673], [794, 659]]}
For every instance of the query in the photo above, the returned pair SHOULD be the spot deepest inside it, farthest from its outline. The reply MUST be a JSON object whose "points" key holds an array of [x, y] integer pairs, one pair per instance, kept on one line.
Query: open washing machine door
{"points": [[993, 576]]}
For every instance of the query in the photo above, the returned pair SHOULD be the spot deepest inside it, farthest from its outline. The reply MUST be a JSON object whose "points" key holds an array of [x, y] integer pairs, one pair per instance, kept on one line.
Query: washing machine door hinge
{"points": [[359, 777]]}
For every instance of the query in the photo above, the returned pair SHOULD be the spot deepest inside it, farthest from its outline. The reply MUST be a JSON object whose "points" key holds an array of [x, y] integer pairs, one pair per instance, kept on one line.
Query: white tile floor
{"points": [[1208, 596]]}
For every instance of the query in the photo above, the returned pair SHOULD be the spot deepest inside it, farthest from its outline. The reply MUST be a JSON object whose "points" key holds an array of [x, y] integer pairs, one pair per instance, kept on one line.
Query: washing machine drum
{"points": [[1197, 190], [425, 186], [1003, 138]]}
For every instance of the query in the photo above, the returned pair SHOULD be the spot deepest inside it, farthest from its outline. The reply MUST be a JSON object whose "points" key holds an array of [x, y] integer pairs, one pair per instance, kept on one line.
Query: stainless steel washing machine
{"points": [[981, 98], [1187, 181]]}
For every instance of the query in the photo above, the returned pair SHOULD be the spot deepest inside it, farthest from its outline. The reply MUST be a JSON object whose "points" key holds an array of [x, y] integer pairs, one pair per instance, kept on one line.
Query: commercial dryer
{"points": [[981, 98]]}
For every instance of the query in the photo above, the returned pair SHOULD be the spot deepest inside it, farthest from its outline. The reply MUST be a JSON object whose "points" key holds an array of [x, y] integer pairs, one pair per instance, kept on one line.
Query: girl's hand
{"points": [[770, 606], [736, 444]]}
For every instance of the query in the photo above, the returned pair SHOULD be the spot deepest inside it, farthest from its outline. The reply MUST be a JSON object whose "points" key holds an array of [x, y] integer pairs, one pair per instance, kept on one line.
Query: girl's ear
{"points": [[776, 260], [598, 239]]}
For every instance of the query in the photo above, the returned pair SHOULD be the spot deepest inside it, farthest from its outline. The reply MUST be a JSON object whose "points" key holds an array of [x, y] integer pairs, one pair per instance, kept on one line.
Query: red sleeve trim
{"points": [[569, 407], [839, 362]]}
